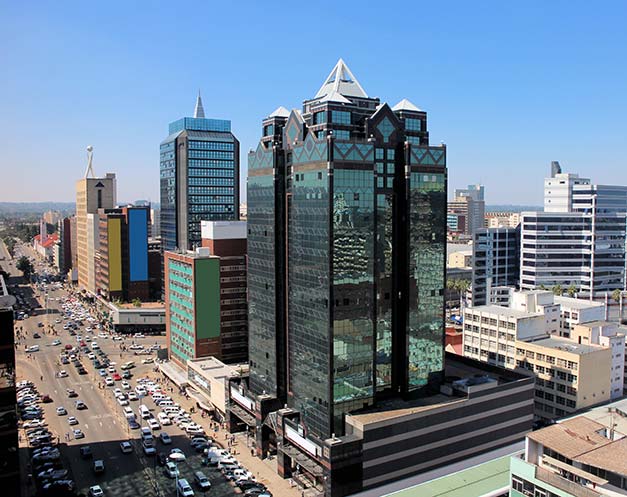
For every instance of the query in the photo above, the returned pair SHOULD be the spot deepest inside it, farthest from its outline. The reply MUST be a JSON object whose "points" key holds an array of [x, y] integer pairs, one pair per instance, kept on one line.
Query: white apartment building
{"points": [[579, 239], [575, 311]]}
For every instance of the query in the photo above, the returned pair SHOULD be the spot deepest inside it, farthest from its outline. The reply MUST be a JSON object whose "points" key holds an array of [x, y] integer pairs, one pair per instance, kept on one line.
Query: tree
{"points": [[558, 290], [572, 291], [616, 294], [462, 288], [137, 302], [542, 287], [24, 265]]}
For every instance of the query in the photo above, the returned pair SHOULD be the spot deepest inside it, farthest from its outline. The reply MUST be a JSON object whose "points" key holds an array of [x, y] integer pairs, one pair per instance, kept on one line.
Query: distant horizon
{"points": [[508, 88]]}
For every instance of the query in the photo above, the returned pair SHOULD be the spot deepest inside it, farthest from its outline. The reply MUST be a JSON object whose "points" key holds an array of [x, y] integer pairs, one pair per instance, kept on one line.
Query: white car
{"points": [[122, 401], [109, 381], [126, 385], [111, 369], [72, 421], [117, 392], [164, 419], [154, 424], [126, 447], [132, 396], [62, 374], [177, 455]]}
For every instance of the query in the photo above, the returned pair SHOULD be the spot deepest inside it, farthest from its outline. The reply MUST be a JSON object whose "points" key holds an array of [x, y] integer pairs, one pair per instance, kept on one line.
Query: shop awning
{"points": [[200, 399], [176, 374]]}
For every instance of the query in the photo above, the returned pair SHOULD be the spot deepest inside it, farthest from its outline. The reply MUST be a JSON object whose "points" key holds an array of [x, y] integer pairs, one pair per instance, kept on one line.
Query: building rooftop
{"points": [[574, 303], [456, 368], [612, 414], [143, 305], [341, 80], [572, 437], [503, 311], [215, 368], [566, 345], [483, 479], [611, 457]]}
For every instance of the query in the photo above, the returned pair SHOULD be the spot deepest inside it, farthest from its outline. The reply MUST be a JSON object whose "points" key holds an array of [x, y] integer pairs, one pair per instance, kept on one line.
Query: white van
{"points": [[128, 412], [184, 489], [170, 409], [164, 419], [144, 413], [166, 403]]}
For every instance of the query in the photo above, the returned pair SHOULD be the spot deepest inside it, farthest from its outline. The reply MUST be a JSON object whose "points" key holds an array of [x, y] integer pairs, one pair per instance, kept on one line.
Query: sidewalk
{"points": [[264, 470]]}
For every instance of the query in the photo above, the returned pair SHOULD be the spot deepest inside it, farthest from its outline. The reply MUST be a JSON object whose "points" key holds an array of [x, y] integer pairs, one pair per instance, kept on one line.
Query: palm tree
{"points": [[558, 290], [572, 291], [617, 296], [462, 288]]}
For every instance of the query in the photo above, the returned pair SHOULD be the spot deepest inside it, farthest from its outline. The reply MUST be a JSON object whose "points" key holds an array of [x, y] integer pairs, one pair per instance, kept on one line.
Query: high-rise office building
{"points": [[205, 296], [91, 194], [466, 213], [9, 444], [495, 264], [579, 239], [346, 270], [199, 178], [365, 232], [123, 253]]}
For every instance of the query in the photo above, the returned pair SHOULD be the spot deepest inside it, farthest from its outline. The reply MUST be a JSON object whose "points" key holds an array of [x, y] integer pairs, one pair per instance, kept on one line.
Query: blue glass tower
{"points": [[199, 163]]}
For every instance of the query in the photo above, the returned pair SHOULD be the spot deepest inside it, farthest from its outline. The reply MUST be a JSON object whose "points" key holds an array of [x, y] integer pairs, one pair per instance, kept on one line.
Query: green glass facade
{"points": [[346, 246]]}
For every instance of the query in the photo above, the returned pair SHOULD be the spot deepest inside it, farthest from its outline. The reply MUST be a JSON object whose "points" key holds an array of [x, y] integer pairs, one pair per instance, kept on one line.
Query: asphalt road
{"points": [[102, 422]]}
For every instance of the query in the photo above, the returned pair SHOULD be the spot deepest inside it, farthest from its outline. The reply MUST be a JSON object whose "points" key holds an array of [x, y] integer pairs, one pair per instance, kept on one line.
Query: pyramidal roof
{"points": [[406, 105], [199, 111], [342, 81], [280, 112], [335, 97]]}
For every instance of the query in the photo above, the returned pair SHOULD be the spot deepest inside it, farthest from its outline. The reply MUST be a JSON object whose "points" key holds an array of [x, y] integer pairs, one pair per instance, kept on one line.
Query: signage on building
{"points": [[292, 435], [241, 399]]}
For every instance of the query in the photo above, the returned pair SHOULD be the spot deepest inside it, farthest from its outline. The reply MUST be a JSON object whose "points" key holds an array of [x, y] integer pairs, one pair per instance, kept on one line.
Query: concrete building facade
{"points": [[91, 194]]}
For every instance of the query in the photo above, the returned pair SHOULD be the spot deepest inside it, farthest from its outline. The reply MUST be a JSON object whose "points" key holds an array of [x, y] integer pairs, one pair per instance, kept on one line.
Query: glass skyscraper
{"points": [[199, 179], [346, 247]]}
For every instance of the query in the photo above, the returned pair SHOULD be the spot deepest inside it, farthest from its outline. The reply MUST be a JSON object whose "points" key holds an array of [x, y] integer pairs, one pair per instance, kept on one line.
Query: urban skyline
{"points": [[515, 106]]}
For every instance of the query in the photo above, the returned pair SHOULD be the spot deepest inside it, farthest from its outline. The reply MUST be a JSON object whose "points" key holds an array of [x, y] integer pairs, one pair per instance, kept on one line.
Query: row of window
{"points": [[210, 154], [219, 173], [202, 145], [194, 190], [211, 163], [210, 181]]}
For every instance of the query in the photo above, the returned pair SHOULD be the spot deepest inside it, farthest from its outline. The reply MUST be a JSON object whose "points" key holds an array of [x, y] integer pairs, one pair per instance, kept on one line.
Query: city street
{"points": [[103, 422]]}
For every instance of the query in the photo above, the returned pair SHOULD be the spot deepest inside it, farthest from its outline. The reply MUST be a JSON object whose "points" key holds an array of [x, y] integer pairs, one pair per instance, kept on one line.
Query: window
{"points": [[342, 134], [268, 130], [340, 117], [379, 153], [413, 124], [320, 117]]}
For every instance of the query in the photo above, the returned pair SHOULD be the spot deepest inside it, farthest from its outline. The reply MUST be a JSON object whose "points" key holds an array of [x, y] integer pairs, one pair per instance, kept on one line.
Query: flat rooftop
{"points": [[144, 305], [566, 345], [481, 479], [215, 368], [456, 368], [574, 303], [503, 311]]}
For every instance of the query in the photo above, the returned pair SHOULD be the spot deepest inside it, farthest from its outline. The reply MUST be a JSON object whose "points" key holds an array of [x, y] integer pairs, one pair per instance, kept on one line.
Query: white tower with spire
{"points": [[199, 111]]}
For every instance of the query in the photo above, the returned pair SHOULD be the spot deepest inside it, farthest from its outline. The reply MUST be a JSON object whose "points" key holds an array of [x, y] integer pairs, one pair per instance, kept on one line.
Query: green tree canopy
{"points": [[23, 264]]}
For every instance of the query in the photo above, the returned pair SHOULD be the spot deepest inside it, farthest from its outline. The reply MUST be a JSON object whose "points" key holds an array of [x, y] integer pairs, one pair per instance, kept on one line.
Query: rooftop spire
{"points": [[342, 81], [199, 111]]}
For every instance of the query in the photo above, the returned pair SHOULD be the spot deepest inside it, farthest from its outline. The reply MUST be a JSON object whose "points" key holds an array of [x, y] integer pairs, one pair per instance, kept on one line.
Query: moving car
{"points": [[78, 434], [72, 420], [61, 411], [165, 438], [80, 405], [99, 466], [126, 447]]}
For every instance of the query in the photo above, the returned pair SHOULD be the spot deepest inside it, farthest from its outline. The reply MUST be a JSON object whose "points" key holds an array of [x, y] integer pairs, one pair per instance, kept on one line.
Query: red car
{"points": [[83, 344], [46, 399], [68, 347], [116, 377]]}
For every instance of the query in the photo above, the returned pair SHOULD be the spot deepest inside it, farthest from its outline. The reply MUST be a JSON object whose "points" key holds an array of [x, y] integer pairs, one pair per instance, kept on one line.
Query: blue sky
{"points": [[508, 87]]}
